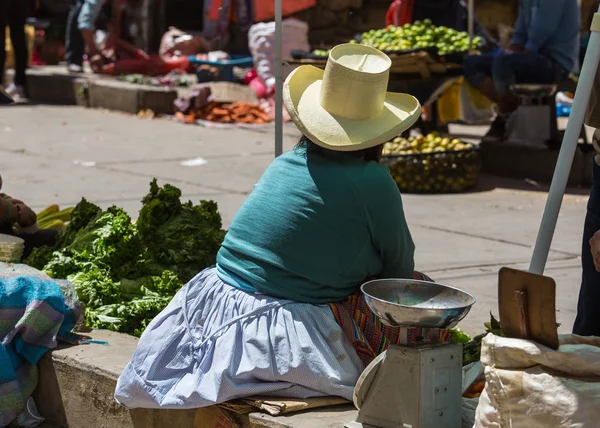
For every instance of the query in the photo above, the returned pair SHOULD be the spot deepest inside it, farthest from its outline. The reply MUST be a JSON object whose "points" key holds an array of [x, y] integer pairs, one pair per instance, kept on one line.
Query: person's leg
{"points": [[587, 322], [505, 71], [75, 46], [17, 16], [3, 23], [478, 72], [521, 67]]}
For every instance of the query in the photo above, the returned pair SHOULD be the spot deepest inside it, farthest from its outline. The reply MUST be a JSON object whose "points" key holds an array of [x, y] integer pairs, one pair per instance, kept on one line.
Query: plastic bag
{"points": [[530, 385], [180, 43], [261, 41]]}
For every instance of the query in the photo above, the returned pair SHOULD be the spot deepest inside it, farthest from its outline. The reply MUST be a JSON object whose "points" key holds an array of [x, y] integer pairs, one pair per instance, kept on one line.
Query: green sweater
{"points": [[315, 227]]}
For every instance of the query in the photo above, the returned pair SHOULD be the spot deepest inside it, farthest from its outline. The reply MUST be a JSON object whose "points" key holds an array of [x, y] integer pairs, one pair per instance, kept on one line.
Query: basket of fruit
{"points": [[421, 35], [418, 48], [432, 164]]}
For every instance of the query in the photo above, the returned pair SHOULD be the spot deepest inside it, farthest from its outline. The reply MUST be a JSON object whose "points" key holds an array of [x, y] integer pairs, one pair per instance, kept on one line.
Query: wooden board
{"points": [[527, 306]]}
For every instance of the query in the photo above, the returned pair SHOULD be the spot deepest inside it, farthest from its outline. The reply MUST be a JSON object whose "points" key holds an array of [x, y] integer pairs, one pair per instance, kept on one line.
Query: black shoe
{"points": [[497, 131]]}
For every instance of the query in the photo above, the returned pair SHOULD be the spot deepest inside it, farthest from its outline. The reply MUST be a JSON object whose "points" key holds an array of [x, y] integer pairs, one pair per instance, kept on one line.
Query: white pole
{"points": [[278, 81], [567, 151], [471, 22]]}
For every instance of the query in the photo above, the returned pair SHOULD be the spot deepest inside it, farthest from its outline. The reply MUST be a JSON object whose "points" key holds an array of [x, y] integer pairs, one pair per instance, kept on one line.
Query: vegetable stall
{"points": [[125, 273]]}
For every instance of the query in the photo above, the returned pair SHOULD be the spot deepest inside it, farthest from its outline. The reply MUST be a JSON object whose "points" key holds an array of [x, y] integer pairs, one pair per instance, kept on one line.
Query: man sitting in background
{"points": [[544, 50], [587, 322]]}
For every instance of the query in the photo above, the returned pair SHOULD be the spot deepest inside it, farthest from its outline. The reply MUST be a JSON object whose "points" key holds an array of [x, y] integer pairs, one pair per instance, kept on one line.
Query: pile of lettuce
{"points": [[126, 273]]}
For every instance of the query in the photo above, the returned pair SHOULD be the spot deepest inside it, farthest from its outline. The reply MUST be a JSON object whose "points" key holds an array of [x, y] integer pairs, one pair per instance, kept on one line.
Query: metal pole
{"points": [[471, 22], [278, 81], [567, 151]]}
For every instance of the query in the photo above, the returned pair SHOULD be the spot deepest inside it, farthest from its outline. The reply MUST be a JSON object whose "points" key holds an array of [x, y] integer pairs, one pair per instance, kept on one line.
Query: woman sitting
{"points": [[323, 218]]}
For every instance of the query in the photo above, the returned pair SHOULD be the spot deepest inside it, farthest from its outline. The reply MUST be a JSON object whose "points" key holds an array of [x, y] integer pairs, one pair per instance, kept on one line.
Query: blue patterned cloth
{"points": [[35, 312]]}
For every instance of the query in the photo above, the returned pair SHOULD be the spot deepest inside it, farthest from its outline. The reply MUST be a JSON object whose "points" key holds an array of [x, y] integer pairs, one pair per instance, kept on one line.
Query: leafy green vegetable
{"points": [[472, 349], [39, 257], [179, 237], [130, 317], [126, 274], [94, 286], [459, 336], [82, 214]]}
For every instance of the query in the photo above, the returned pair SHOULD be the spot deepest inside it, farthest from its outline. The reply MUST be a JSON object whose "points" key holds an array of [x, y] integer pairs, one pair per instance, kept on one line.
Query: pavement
{"points": [[55, 154]]}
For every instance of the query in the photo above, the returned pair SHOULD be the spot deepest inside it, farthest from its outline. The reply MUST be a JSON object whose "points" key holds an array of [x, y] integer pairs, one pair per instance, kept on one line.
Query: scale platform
{"points": [[417, 385]]}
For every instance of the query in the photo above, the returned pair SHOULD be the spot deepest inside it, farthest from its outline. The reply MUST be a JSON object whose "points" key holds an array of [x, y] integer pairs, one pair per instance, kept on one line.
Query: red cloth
{"points": [[154, 66], [264, 10], [400, 12]]}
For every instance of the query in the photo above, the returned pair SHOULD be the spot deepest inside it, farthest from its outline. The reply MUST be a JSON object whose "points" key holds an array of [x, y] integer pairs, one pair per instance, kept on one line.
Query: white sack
{"points": [[261, 41], [531, 386]]}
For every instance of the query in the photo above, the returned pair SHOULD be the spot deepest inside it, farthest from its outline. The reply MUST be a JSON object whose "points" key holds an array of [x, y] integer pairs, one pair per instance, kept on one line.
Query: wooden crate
{"points": [[420, 63]]}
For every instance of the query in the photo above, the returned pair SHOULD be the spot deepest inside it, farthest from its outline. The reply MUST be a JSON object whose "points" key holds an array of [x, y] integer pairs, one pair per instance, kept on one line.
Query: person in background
{"points": [[544, 50], [81, 27], [14, 13], [587, 322], [14, 212]]}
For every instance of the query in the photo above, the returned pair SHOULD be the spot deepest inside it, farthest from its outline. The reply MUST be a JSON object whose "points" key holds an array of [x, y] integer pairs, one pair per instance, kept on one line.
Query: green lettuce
{"points": [[183, 238], [127, 273], [81, 216]]}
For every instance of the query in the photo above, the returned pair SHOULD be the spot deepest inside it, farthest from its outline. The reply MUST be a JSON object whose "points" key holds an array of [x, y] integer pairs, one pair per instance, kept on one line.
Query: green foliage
{"points": [[127, 273]]}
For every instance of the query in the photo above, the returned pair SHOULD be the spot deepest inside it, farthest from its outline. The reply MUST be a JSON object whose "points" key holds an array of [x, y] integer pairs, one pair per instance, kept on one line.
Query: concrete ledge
{"points": [[51, 86], [77, 383], [535, 163], [130, 98]]}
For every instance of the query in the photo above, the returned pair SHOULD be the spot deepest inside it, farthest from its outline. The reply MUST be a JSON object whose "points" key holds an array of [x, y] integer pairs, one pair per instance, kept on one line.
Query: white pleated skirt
{"points": [[214, 343]]}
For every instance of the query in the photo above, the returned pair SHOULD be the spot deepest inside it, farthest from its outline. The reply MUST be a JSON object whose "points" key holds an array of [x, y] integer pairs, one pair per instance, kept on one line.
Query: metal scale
{"points": [[417, 385]]}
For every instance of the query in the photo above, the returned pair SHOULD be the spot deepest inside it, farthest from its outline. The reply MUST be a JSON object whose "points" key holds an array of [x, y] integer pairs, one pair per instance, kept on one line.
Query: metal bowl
{"points": [[411, 303]]}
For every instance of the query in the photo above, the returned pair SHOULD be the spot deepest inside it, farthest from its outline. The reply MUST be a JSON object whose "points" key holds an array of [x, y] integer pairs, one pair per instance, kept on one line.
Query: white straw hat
{"points": [[347, 106]]}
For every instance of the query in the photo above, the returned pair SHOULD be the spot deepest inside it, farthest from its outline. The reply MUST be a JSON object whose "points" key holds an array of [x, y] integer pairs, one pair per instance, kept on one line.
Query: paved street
{"points": [[54, 154]]}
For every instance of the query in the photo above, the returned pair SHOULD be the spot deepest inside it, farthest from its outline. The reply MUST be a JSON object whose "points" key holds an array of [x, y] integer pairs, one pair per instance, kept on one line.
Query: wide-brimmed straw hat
{"points": [[347, 106]]}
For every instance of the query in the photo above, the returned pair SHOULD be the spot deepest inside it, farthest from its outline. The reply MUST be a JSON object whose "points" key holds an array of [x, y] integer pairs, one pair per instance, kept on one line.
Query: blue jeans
{"points": [[74, 43], [511, 68], [587, 322]]}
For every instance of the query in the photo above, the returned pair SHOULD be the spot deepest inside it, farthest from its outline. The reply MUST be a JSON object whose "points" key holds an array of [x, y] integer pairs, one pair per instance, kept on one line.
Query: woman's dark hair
{"points": [[371, 154]]}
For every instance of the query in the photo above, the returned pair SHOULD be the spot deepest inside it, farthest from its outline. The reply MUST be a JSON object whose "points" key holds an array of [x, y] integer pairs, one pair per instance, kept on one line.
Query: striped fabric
{"points": [[368, 335], [35, 312]]}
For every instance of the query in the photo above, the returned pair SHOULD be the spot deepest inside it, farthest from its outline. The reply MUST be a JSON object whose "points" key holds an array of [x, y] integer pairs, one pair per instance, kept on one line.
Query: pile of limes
{"points": [[432, 164], [432, 143], [418, 35]]}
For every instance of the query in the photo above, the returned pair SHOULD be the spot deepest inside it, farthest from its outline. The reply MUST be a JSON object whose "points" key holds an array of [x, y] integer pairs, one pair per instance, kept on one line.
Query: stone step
{"points": [[77, 383], [54, 85]]}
